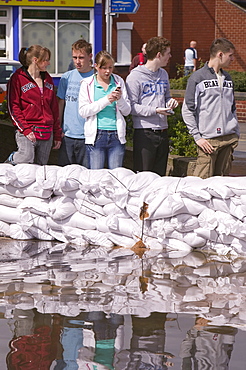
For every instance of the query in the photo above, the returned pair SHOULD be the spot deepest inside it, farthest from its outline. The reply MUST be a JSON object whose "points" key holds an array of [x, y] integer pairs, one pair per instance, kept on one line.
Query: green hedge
{"points": [[239, 79]]}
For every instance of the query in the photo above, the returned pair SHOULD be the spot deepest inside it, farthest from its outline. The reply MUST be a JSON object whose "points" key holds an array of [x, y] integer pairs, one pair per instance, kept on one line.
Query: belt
{"points": [[156, 130]]}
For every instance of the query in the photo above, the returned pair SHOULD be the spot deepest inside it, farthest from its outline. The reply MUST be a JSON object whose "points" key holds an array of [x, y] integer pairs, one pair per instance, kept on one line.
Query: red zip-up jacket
{"points": [[29, 107]]}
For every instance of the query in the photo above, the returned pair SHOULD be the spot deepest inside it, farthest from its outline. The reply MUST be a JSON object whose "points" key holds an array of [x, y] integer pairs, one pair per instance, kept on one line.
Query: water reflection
{"points": [[98, 308]]}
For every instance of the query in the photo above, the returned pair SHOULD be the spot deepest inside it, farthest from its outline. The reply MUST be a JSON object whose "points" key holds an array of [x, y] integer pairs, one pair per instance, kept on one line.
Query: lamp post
{"points": [[160, 17]]}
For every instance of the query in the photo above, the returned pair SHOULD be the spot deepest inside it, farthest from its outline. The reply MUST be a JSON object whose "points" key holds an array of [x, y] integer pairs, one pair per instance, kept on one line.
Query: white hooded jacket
{"points": [[88, 109]]}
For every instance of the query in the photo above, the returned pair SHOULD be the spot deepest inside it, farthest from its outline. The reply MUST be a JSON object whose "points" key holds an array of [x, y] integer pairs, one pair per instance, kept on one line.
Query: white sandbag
{"points": [[94, 198], [61, 207], [86, 237], [115, 185], [10, 215], [46, 176], [75, 220], [29, 219], [113, 209], [4, 229], [184, 222], [176, 248], [214, 236], [32, 190], [39, 234], [4, 167], [192, 207], [35, 205], [207, 219], [90, 179], [16, 232], [67, 177], [159, 189], [10, 201], [21, 175], [170, 206], [193, 187], [123, 226], [58, 235], [159, 228], [101, 224], [121, 240], [216, 186], [88, 208], [190, 238], [235, 208]]}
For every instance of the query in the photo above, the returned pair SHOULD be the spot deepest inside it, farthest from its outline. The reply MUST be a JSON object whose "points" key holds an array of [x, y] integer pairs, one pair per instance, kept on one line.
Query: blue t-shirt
{"points": [[106, 118], [68, 89]]}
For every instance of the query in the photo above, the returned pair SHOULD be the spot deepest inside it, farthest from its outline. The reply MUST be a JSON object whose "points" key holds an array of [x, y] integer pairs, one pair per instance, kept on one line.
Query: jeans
{"points": [[107, 147], [29, 152], [188, 70], [72, 151], [150, 150]]}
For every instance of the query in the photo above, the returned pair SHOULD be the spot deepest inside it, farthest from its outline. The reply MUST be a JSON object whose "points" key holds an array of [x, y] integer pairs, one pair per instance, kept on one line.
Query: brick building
{"points": [[181, 21]]}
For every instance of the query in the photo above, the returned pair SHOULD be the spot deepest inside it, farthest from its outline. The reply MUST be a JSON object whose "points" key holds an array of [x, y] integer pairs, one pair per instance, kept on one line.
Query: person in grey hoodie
{"points": [[149, 93], [209, 112]]}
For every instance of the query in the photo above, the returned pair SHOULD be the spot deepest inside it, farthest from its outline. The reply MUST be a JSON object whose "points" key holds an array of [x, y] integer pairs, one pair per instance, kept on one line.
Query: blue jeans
{"points": [[107, 147], [72, 151]]}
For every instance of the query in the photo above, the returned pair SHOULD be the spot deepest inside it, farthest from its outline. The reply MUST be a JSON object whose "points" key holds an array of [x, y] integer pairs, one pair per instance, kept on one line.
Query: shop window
{"points": [[57, 30]]}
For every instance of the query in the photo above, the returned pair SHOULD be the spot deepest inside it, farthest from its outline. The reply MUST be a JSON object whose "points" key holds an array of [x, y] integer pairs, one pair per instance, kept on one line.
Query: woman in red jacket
{"points": [[33, 108]]}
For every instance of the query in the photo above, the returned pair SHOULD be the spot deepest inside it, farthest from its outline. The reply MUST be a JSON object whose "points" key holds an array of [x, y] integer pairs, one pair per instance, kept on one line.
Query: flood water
{"points": [[64, 307]]}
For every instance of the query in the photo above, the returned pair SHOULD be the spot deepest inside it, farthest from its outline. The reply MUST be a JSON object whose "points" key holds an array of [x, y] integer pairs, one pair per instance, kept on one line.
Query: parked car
{"points": [[7, 68]]}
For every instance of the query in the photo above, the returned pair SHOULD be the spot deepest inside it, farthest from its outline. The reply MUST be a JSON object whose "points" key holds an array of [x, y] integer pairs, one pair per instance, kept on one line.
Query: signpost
{"points": [[113, 7], [124, 6]]}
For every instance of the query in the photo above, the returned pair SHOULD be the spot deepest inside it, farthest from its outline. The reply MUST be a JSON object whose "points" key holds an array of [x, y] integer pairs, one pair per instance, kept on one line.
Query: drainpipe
{"points": [[160, 17]]}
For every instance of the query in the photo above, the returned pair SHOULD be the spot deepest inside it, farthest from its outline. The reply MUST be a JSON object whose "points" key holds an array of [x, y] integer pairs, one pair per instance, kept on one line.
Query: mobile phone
{"points": [[170, 111], [118, 88]]}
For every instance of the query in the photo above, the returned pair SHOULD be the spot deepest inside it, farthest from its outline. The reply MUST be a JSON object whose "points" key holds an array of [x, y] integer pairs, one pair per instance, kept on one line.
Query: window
{"points": [[57, 30], [124, 30]]}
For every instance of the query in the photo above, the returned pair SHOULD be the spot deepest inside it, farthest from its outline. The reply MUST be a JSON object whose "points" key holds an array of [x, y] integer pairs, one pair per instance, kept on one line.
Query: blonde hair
{"points": [[102, 58]]}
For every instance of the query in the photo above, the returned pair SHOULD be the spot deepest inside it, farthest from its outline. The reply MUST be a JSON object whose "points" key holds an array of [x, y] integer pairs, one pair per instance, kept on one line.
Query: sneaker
{"points": [[10, 159]]}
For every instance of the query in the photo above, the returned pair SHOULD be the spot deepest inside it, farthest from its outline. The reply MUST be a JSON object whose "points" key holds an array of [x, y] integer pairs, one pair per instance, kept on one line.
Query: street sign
{"points": [[124, 6]]}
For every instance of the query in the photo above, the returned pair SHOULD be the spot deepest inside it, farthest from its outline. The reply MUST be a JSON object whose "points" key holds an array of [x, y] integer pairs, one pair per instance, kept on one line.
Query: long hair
{"points": [[38, 51]]}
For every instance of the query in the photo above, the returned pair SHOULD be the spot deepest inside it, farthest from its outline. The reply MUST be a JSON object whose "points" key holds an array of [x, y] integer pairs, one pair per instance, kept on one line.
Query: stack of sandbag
{"points": [[73, 204]]}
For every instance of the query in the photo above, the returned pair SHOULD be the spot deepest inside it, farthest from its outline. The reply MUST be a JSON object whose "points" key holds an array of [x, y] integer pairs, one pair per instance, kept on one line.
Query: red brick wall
{"points": [[184, 20], [231, 24]]}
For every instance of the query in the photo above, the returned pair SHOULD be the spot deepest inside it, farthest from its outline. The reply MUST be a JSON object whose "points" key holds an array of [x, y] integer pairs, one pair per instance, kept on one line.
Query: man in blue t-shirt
{"points": [[72, 149]]}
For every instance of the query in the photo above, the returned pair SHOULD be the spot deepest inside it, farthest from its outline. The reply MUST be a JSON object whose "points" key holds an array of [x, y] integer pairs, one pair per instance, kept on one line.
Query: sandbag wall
{"points": [[118, 207]]}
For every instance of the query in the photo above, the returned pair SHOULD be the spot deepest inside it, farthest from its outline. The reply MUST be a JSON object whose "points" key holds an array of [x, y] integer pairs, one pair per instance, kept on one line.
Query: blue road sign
{"points": [[124, 6]]}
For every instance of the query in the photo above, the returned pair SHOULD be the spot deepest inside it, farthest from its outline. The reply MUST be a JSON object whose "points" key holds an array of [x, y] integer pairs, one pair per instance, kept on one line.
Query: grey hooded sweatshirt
{"points": [[147, 91]]}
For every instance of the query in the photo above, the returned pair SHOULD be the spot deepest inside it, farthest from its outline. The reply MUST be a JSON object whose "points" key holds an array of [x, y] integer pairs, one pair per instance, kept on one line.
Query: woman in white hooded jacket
{"points": [[103, 102]]}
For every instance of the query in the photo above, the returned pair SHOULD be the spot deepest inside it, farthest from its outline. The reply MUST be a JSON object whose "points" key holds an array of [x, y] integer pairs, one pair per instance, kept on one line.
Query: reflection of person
{"points": [[209, 112], [207, 347], [73, 150], [190, 59], [149, 93], [147, 345], [33, 108], [139, 59], [103, 102]]}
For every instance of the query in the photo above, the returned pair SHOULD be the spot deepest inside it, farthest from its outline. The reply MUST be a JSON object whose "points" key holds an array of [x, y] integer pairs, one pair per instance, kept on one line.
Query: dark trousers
{"points": [[150, 150]]}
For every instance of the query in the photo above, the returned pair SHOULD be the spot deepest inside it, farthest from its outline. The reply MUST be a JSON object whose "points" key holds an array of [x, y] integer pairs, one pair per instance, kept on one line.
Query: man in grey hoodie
{"points": [[149, 93], [209, 112]]}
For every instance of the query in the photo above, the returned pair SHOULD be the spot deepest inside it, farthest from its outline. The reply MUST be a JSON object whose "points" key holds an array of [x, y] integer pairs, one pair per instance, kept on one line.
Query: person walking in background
{"points": [[139, 59], [190, 59], [33, 108], [209, 112], [149, 92], [103, 102], [73, 149]]}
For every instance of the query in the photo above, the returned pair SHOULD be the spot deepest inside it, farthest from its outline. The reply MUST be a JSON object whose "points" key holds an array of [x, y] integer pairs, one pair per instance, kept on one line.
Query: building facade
{"points": [[55, 24]]}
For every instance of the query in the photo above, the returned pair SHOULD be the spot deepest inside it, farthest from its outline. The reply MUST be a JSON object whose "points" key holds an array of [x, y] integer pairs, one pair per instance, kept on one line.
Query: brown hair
{"points": [[82, 44], [102, 58], [156, 45], [38, 51], [221, 44]]}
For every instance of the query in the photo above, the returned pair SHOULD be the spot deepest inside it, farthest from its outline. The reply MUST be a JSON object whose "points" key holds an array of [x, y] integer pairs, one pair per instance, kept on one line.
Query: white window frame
{"points": [[9, 32], [124, 33], [56, 21]]}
